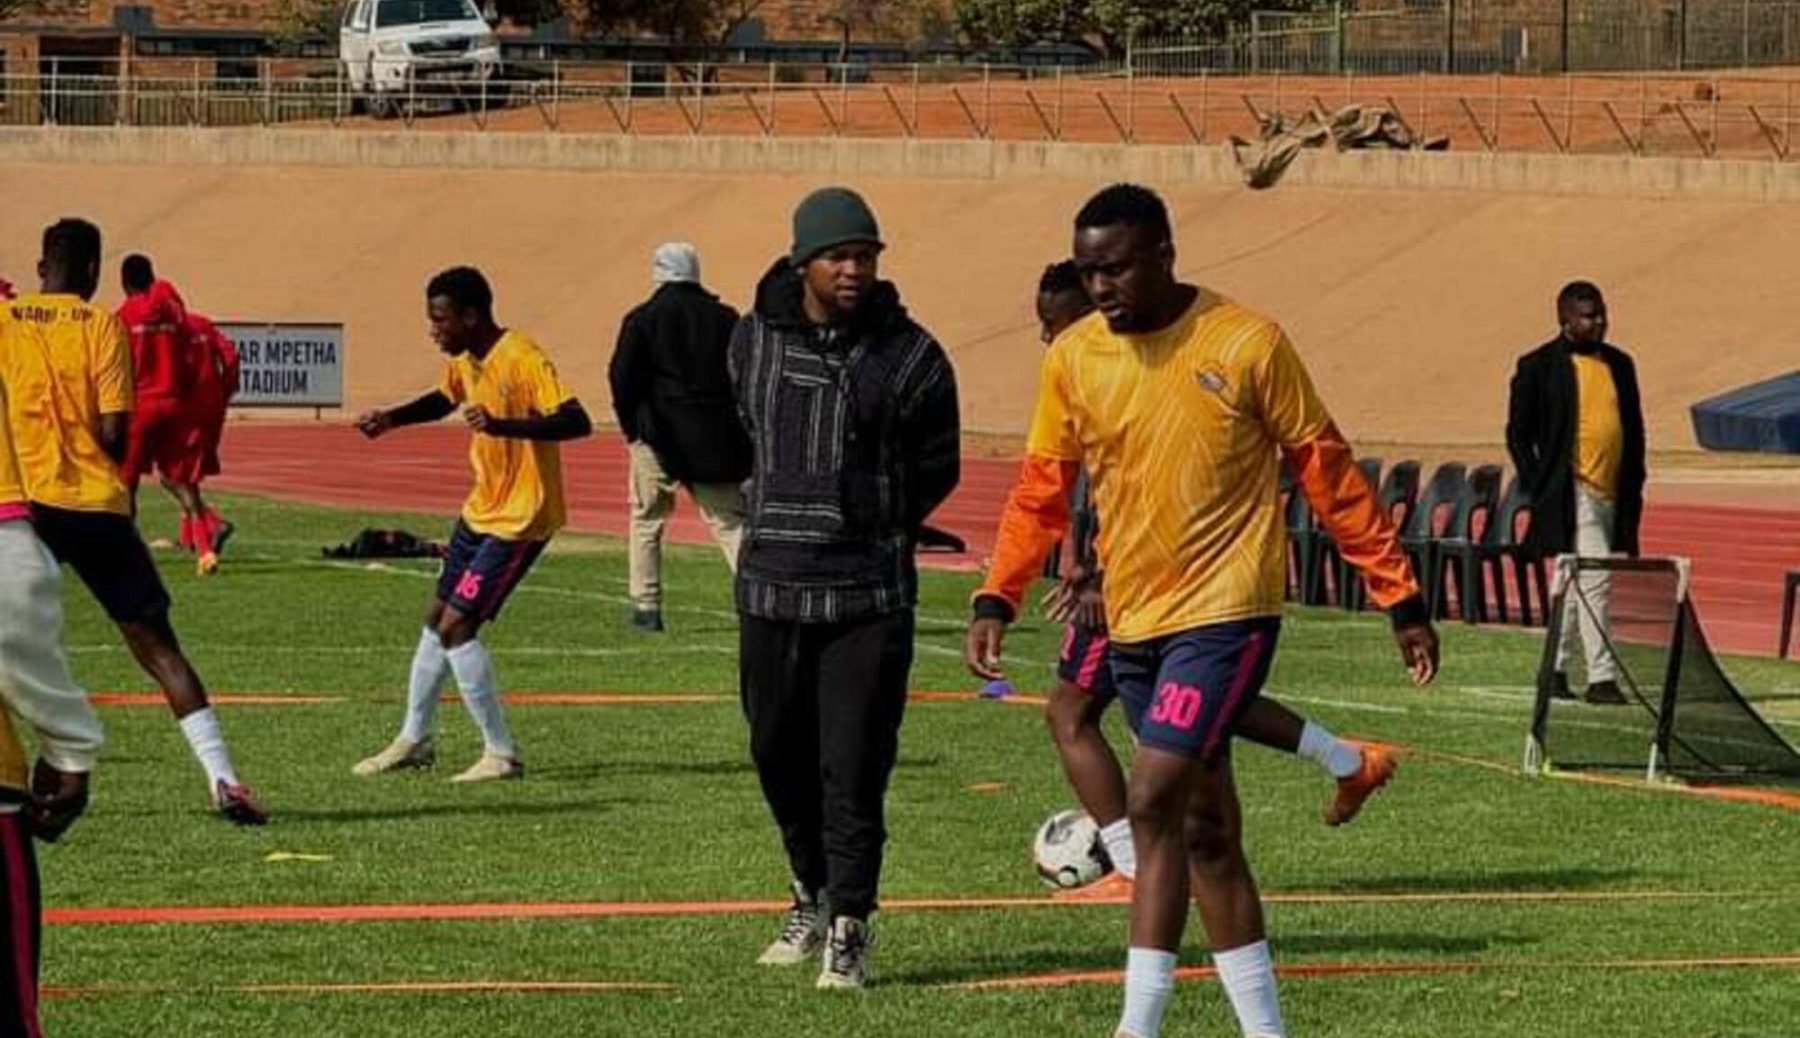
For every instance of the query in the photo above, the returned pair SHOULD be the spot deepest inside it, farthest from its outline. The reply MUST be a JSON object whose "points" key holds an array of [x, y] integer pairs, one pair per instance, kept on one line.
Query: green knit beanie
{"points": [[830, 217]]}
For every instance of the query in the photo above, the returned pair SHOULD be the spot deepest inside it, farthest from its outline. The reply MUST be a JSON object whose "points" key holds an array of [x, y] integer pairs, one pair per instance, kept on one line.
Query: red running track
{"points": [[1739, 552]]}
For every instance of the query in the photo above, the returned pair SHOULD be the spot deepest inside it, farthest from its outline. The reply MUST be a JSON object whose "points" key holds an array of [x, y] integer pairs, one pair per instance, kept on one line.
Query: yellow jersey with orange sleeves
{"points": [[65, 363], [1182, 433], [1599, 435], [518, 493]]}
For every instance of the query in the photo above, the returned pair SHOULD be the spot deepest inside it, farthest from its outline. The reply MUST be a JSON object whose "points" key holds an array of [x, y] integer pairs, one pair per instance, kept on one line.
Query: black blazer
{"points": [[1541, 426], [671, 389]]}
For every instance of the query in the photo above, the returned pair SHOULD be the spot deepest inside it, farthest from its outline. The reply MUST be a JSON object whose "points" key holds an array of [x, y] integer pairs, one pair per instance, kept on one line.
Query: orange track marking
{"points": [[228, 699], [1015, 699], [1346, 969], [1742, 794], [258, 914]]}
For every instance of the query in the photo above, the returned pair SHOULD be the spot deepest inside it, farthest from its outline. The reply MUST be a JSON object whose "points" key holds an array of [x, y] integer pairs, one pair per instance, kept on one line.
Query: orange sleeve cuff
{"points": [[1034, 521], [1325, 470]]}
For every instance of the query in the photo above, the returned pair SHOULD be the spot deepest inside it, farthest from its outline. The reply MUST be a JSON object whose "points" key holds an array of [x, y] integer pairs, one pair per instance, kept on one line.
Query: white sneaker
{"points": [[492, 766], [398, 756], [846, 965], [802, 932]]}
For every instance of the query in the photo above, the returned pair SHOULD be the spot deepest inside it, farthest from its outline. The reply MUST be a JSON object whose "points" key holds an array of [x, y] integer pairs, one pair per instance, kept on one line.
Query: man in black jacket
{"points": [[672, 395], [851, 410], [1575, 429]]}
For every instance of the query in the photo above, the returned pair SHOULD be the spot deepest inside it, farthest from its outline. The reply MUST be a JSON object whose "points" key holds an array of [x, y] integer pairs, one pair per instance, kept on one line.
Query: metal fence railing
{"points": [[1685, 113], [1479, 36]]}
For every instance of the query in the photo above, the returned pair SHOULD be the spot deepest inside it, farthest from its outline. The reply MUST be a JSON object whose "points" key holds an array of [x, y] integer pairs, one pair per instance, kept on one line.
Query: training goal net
{"points": [[1629, 624]]}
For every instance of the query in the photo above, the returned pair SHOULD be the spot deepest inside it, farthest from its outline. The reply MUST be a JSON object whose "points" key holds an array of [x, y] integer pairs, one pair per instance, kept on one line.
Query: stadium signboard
{"points": [[288, 365]]}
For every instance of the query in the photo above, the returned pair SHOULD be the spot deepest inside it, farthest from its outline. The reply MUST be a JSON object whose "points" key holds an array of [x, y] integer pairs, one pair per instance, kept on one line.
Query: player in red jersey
{"points": [[156, 318], [213, 363]]}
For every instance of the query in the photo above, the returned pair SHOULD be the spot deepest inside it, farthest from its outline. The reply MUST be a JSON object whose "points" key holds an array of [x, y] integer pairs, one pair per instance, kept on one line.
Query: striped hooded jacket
{"points": [[856, 439]]}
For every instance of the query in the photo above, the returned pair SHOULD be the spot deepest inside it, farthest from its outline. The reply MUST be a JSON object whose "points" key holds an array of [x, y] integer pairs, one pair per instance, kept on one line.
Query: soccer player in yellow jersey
{"points": [[1084, 683], [1181, 405], [67, 369], [519, 411]]}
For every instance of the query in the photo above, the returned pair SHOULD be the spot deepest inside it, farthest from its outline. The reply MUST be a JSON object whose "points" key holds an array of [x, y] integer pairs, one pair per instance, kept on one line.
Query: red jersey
{"points": [[157, 321], [212, 361]]}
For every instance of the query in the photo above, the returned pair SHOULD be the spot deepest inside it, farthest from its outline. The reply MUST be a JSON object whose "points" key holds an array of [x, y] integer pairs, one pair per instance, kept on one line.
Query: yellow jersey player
{"points": [[1181, 406], [67, 369], [36, 692], [519, 411], [1084, 683]]}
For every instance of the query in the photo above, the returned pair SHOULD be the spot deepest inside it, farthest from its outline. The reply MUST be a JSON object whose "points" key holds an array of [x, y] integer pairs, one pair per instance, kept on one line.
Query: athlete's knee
{"points": [[1214, 840], [1153, 807], [1065, 714], [456, 628], [151, 636]]}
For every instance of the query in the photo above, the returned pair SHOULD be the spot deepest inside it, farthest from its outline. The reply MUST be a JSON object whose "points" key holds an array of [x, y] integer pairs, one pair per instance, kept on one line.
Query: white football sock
{"points": [[1117, 838], [1340, 758], [481, 694], [429, 666], [1249, 978], [208, 743], [1149, 982]]}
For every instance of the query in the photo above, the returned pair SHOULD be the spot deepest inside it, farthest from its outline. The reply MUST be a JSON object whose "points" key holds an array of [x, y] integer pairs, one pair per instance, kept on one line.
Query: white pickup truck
{"points": [[393, 50]]}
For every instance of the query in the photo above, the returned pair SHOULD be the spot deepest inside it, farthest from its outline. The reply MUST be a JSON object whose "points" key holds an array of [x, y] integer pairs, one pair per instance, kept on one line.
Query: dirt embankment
{"points": [[1409, 306]]}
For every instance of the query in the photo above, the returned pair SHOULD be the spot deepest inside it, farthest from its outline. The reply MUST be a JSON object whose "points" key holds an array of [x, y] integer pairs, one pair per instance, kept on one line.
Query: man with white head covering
{"points": [[672, 395]]}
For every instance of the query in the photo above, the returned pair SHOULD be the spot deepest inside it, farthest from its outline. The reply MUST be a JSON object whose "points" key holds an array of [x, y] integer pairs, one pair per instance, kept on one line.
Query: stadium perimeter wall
{"points": [[1410, 281]]}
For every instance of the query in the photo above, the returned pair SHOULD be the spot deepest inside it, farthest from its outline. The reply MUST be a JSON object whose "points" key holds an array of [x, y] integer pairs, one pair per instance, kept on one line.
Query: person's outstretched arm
{"points": [[1325, 471]]}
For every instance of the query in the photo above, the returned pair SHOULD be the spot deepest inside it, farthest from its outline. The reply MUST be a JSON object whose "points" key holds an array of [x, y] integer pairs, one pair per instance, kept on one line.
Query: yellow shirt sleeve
{"points": [[1291, 409], [451, 384], [547, 390], [111, 357], [1052, 422]]}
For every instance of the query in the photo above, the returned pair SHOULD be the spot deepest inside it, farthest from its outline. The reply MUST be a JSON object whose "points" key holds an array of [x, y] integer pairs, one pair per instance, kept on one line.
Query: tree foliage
{"points": [[695, 22], [1108, 24]]}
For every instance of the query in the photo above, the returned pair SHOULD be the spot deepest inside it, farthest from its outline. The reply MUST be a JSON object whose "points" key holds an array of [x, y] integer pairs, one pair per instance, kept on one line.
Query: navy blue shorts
{"points": [[1183, 693], [481, 571], [1083, 661]]}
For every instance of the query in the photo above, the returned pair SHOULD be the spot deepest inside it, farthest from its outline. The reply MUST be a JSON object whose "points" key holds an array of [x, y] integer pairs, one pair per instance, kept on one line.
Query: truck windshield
{"points": [[417, 12]]}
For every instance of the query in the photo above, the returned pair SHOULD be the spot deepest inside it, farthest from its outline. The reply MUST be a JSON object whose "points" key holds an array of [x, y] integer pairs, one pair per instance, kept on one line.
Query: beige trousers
{"points": [[1587, 607], [652, 499]]}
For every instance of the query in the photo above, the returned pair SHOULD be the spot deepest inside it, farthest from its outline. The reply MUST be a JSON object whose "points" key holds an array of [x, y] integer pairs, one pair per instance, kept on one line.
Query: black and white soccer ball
{"points": [[1068, 852]]}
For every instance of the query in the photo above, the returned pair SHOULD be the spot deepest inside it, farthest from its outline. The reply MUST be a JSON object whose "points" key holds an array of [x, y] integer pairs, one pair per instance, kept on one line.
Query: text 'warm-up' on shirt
{"points": [[65, 363]]}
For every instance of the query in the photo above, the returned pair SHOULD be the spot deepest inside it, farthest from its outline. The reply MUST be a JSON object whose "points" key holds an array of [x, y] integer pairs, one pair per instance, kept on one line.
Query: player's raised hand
{"points": [[981, 651], [57, 799], [1076, 599], [373, 423], [479, 419], [1419, 648]]}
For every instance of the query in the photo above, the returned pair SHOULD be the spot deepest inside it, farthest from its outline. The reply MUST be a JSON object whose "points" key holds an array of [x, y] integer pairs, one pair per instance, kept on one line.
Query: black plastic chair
{"points": [[1306, 550], [1428, 521], [1343, 576], [1512, 527], [1399, 493], [1458, 552]]}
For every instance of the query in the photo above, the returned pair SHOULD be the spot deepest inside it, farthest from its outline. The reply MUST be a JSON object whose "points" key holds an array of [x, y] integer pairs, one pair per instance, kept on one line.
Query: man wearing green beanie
{"points": [[852, 416]]}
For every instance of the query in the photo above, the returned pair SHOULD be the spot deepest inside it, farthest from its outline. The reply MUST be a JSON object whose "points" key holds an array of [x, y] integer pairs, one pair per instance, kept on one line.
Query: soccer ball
{"points": [[1068, 852]]}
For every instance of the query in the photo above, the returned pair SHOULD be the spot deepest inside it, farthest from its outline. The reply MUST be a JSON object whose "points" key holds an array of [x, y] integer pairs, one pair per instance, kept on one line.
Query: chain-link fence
{"points": [[1476, 36]]}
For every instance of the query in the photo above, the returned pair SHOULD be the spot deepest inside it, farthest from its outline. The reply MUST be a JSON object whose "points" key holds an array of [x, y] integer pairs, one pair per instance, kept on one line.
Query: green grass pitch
{"points": [[648, 802]]}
